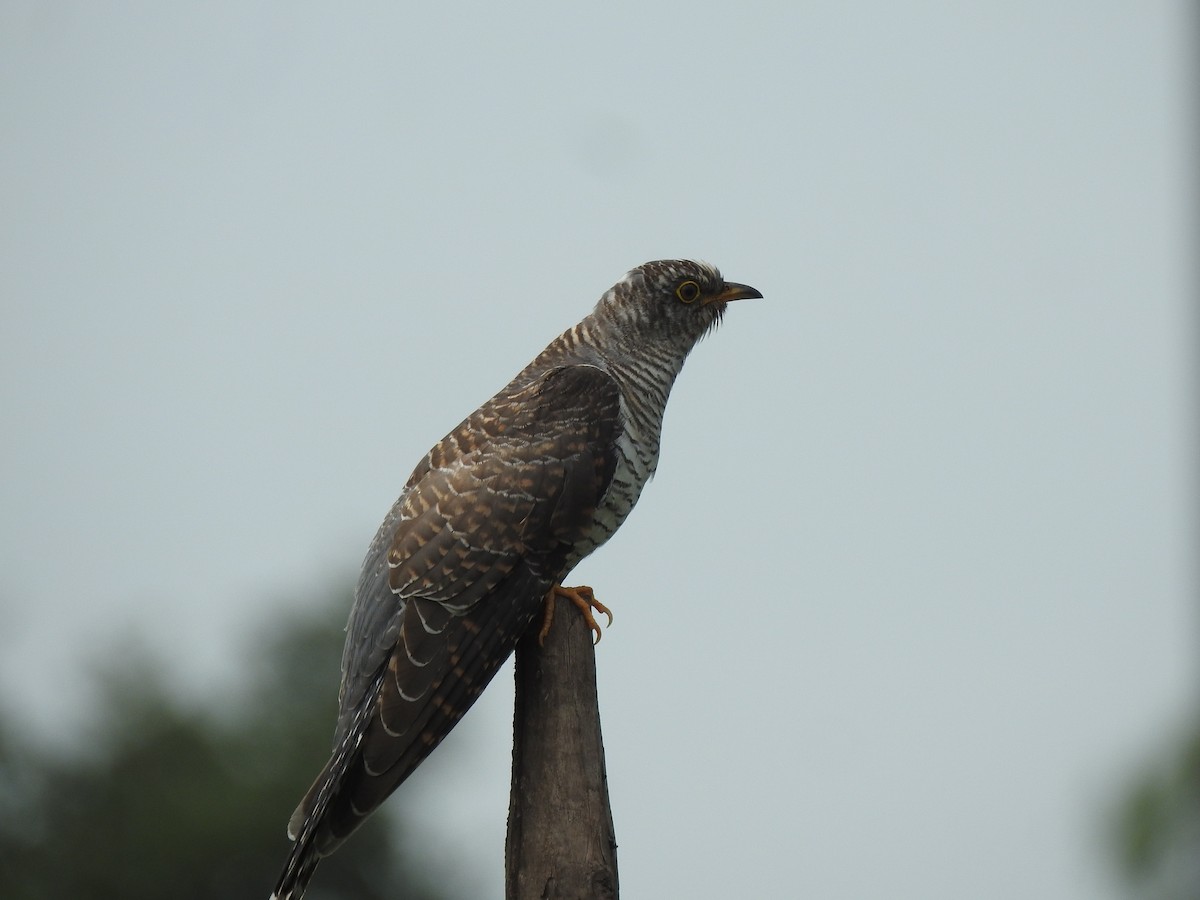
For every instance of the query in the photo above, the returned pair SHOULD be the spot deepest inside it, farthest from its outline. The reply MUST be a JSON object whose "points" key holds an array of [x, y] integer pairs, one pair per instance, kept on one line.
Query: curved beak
{"points": [[734, 291]]}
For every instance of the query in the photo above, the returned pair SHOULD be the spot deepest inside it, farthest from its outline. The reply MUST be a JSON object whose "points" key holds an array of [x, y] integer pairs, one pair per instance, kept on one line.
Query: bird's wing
{"points": [[458, 570]]}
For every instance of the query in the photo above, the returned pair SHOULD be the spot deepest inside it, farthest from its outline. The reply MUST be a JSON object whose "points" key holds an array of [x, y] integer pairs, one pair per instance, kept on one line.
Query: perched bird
{"points": [[488, 526]]}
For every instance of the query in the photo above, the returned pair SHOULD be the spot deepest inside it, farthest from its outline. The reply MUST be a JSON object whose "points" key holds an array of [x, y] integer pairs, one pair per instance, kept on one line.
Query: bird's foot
{"points": [[584, 599]]}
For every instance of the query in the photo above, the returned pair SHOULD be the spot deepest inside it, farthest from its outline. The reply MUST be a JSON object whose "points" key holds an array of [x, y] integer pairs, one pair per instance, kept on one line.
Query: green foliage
{"points": [[1159, 828], [175, 802]]}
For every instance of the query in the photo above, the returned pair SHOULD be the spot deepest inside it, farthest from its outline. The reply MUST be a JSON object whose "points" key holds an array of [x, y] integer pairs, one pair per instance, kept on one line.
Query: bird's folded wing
{"points": [[460, 567]]}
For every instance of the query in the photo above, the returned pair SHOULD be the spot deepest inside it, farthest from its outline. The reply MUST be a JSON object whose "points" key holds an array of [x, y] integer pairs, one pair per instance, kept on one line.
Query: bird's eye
{"points": [[688, 292]]}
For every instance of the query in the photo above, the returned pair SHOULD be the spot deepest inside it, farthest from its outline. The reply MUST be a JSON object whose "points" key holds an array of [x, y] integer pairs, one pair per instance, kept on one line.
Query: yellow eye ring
{"points": [[688, 292]]}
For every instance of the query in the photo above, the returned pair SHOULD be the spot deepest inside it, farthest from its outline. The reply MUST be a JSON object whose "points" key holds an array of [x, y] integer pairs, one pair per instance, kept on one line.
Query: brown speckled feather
{"points": [[479, 535]]}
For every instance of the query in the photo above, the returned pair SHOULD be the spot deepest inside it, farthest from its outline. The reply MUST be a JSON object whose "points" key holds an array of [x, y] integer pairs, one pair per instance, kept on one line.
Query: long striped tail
{"points": [[306, 822]]}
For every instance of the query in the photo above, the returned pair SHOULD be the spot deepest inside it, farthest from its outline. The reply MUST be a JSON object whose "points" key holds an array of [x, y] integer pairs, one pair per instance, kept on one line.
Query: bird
{"points": [[487, 527]]}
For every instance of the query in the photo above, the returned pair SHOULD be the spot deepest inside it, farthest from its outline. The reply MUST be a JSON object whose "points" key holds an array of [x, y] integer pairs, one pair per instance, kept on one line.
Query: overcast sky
{"points": [[912, 598]]}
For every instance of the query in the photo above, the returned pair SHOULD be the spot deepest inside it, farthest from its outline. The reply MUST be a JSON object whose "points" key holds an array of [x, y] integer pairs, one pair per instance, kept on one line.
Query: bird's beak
{"points": [[734, 291]]}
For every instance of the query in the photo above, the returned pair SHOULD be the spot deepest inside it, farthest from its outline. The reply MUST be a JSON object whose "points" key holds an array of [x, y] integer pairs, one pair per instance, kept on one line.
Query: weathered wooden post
{"points": [[561, 844]]}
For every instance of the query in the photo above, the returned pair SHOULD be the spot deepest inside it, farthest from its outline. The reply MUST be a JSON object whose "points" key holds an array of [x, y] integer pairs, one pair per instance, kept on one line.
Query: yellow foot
{"points": [[584, 599]]}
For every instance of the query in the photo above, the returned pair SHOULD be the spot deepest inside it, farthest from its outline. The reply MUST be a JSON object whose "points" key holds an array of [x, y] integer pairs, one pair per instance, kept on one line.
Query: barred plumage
{"points": [[496, 514]]}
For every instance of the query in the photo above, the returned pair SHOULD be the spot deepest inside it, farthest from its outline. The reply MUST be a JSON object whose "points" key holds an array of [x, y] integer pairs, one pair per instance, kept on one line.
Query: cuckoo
{"points": [[487, 527]]}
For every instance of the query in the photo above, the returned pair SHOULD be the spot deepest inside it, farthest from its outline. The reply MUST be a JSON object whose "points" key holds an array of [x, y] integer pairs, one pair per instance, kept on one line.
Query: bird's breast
{"points": [[637, 457]]}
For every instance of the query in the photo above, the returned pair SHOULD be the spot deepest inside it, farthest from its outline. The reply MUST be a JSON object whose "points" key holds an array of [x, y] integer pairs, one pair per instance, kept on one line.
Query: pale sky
{"points": [[912, 598]]}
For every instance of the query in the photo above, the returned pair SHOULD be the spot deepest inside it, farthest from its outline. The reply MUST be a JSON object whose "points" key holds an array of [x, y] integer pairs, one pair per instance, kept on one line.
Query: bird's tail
{"points": [[307, 821], [303, 828], [296, 874]]}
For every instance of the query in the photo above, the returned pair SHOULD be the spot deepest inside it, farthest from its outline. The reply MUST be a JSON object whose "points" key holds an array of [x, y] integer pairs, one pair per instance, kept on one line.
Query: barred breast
{"points": [[644, 392]]}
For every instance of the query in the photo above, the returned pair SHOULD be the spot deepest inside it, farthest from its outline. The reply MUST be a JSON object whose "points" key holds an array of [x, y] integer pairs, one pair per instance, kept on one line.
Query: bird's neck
{"points": [[645, 370]]}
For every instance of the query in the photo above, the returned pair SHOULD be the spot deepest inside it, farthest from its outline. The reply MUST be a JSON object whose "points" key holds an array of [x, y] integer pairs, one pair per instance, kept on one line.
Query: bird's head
{"points": [[670, 300]]}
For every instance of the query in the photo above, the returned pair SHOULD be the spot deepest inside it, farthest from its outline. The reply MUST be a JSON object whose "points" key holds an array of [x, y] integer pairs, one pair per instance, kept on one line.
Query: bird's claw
{"points": [[584, 600]]}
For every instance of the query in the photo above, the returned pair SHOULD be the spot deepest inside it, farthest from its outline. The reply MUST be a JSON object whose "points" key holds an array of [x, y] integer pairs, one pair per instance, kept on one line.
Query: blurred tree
{"points": [[1159, 829], [169, 801]]}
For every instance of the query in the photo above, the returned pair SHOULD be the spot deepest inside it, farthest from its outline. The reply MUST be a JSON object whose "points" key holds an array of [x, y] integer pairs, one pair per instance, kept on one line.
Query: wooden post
{"points": [[561, 844]]}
